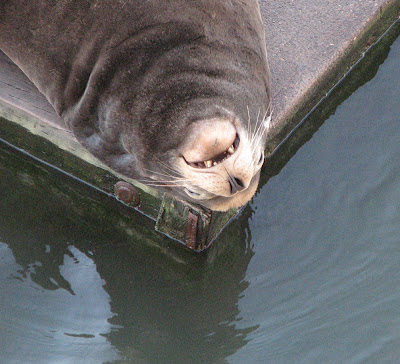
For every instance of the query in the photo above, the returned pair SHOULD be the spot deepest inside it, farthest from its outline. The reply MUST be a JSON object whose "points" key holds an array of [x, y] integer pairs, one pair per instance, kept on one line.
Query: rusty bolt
{"points": [[126, 193], [191, 230]]}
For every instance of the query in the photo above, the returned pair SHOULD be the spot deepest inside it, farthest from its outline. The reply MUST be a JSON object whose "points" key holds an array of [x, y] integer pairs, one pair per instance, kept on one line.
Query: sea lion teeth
{"points": [[208, 163], [215, 163], [231, 149]]}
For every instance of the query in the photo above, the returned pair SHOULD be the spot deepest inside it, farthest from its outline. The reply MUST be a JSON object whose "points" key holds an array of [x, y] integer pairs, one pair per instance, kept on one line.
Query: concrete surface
{"points": [[306, 40]]}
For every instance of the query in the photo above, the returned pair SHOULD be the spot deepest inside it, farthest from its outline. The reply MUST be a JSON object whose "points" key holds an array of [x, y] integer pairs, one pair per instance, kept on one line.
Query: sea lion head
{"points": [[218, 163], [193, 119]]}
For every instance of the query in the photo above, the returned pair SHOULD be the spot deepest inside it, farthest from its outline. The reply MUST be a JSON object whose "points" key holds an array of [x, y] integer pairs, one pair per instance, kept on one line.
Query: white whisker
{"points": [[259, 131], [248, 122], [170, 168], [167, 178], [164, 185], [180, 181], [163, 174], [256, 126]]}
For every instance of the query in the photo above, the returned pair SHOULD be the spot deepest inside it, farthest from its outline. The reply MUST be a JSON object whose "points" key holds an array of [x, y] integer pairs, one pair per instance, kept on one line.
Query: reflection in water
{"points": [[185, 316], [79, 287], [38, 325]]}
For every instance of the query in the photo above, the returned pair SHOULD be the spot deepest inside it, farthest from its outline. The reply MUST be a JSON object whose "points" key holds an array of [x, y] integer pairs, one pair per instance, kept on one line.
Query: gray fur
{"points": [[128, 77]]}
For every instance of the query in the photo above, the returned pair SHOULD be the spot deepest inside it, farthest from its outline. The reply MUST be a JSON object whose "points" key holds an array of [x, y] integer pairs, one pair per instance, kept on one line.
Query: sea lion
{"points": [[175, 94]]}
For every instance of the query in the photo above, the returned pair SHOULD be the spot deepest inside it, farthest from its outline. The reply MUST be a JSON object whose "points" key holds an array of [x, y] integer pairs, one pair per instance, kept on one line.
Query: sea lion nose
{"points": [[236, 184]]}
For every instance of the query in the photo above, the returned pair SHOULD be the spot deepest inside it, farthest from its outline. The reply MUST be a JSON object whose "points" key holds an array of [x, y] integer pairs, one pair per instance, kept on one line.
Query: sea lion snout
{"points": [[220, 162]]}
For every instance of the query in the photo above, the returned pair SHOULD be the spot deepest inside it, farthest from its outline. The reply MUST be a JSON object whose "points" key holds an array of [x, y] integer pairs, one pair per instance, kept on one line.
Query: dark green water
{"points": [[310, 273]]}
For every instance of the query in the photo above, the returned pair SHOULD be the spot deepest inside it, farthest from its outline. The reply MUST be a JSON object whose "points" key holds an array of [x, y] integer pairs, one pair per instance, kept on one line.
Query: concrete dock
{"points": [[311, 44]]}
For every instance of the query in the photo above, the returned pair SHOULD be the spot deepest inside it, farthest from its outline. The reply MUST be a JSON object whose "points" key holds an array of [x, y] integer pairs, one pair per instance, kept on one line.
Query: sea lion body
{"points": [[172, 93]]}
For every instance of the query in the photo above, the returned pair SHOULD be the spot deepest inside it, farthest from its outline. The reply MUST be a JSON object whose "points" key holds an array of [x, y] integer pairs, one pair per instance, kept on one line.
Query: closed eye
{"points": [[261, 158], [192, 193]]}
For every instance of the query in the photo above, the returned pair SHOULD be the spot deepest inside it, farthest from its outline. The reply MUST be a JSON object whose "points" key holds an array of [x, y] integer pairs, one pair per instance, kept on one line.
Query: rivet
{"points": [[127, 193]]}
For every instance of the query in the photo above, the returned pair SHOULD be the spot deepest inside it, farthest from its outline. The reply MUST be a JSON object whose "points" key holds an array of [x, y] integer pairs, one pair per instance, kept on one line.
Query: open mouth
{"points": [[219, 158]]}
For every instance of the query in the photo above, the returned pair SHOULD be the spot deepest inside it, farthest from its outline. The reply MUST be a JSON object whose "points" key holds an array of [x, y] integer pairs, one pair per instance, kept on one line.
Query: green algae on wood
{"points": [[170, 215]]}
